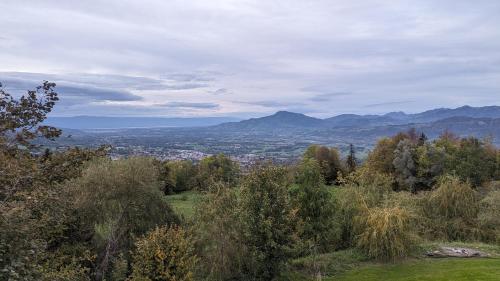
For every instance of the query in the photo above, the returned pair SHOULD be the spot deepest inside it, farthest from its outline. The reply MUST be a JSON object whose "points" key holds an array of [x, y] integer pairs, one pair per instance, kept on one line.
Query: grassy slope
{"points": [[427, 270]]}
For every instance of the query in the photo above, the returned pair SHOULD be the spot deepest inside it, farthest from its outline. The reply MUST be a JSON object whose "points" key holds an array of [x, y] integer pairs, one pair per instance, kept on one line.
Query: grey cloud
{"points": [[270, 103], [389, 103], [188, 77], [96, 93], [221, 91], [68, 91], [187, 86], [435, 53], [200, 105], [328, 96]]}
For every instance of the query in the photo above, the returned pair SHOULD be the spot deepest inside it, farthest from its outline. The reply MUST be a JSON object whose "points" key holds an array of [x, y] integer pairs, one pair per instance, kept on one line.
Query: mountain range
{"points": [[284, 120], [281, 120]]}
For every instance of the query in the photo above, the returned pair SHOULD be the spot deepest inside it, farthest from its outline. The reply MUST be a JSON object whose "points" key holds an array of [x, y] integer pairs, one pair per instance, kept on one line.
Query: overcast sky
{"points": [[252, 58]]}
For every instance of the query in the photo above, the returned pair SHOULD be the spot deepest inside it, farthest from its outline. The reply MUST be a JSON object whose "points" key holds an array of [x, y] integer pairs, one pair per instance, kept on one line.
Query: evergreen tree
{"points": [[351, 160]]}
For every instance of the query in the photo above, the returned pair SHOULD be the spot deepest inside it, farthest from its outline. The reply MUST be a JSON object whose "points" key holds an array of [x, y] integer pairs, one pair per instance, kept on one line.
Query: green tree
{"points": [[218, 232], [217, 168], [178, 176], [351, 161], [404, 165], [316, 207], [164, 254], [267, 221], [329, 161], [119, 200]]}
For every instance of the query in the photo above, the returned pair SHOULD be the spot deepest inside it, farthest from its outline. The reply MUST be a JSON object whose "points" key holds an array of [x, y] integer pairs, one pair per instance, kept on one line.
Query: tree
{"points": [[316, 208], [351, 161], [267, 221], [217, 168], [20, 119], [164, 254], [451, 210], [329, 161], [472, 161], [381, 158], [218, 230], [178, 176], [404, 165], [119, 200]]}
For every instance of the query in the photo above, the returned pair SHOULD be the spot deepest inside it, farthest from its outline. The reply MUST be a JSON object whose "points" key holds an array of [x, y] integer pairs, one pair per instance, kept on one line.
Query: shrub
{"points": [[164, 254], [386, 233], [489, 217], [218, 234], [363, 189], [451, 210]]}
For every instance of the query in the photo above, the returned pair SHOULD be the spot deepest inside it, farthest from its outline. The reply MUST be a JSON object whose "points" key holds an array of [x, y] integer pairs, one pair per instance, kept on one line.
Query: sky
{"points": [[191, 58]]}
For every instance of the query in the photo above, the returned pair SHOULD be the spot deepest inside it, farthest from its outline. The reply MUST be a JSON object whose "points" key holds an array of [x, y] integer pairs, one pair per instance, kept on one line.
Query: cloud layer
{"points": [[223, 57]]}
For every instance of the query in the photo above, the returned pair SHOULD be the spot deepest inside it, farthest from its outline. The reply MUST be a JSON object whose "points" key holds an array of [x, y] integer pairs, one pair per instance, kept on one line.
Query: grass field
{"points": [[481, 269], [350, 265], [183, 203]]}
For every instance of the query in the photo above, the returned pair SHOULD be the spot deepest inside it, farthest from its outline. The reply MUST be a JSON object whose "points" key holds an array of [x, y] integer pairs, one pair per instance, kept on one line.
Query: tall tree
{"points": [[316, 208], [267, 221], [351, 161]]}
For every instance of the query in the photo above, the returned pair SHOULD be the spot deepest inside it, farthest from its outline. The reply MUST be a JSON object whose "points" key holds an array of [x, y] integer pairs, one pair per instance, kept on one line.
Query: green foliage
{"points": [[489, 217], [351, 161], [178, 176], [362, 190], [316, 208], [217, 168], [472, 160], [404, 165], [451, 210], [164, 254], [382, 157], [119, 200], [386, 233], [328, 160], [218, 228], [267, 221]]}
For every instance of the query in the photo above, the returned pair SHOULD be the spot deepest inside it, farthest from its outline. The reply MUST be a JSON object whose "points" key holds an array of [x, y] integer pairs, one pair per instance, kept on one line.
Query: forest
{"points": [[78, 215]]}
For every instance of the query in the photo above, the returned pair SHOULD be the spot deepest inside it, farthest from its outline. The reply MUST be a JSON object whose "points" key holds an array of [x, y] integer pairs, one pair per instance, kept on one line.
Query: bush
{"points": [[451, 210], [218, 232], [386, 233], [362, 190], [489, 217], [164, 254]]}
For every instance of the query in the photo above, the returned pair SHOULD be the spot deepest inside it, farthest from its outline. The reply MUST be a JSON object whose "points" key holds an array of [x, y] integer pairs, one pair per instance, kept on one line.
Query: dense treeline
{"points": [[77, 215]]}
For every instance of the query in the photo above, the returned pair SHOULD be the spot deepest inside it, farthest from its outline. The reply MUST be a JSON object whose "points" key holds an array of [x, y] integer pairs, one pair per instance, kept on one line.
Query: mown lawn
{"points": [[184, 203], [481, 269]]}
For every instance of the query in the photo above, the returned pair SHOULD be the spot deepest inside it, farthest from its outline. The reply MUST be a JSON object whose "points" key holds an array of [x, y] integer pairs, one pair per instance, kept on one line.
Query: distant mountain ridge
{"points": [[284, 120], [280, 121]]}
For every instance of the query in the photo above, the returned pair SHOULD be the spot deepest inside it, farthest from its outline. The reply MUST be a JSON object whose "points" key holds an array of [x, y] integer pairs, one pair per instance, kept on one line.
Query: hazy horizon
{"points": [[253, 58]]}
